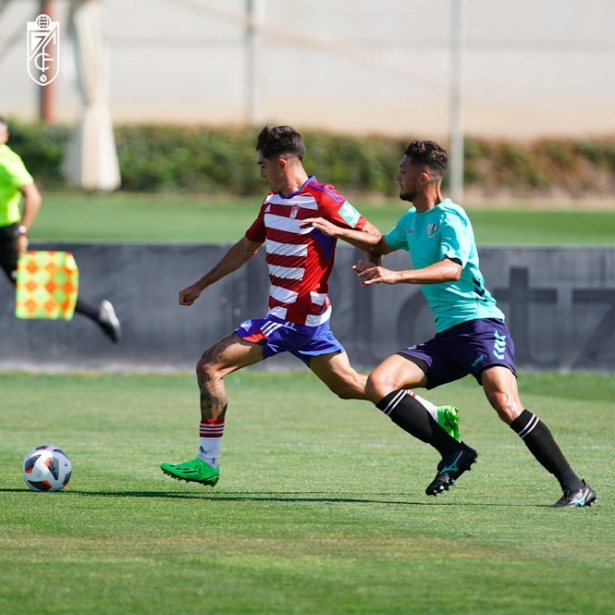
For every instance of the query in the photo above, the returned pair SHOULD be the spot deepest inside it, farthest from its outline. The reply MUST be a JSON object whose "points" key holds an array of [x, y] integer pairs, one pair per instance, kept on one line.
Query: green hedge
{"points": [[578, 167], [42, 149], [209, 160]]}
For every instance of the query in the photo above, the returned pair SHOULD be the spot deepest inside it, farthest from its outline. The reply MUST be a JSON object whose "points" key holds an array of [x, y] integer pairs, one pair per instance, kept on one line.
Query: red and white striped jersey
{"points": [[300, 259]]}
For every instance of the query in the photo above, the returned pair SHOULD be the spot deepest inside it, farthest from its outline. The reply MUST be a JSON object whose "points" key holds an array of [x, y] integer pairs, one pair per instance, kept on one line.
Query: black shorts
{"points": [[8, 251], [467, 348]]}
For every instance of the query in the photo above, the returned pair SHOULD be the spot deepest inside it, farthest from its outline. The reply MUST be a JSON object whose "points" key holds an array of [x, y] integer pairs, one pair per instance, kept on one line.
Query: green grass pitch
{"points": [[320, 508], [138, 217]]}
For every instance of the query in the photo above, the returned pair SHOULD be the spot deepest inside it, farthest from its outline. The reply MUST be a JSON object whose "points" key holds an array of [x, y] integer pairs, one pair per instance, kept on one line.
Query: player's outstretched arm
{"points": [[446, 270], [376, 255], [370, 239], [237, 256]]}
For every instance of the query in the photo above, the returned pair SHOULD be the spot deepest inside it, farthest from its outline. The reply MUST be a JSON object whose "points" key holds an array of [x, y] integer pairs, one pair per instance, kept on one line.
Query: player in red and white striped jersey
{"points": [[300, 261]]}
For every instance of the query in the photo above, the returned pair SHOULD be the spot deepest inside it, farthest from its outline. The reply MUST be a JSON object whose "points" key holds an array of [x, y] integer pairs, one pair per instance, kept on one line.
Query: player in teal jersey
{"points": [[445, 233], [471, 335]]}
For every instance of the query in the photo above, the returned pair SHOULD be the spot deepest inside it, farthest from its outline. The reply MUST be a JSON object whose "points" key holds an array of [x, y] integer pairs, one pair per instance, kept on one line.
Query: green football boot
{"points": [[194, 471], [448, 419]]}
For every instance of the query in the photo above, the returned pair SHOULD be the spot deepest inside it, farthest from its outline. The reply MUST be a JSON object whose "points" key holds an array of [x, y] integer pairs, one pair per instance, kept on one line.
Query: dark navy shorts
{"points": [[276, 336], [467, 348]]}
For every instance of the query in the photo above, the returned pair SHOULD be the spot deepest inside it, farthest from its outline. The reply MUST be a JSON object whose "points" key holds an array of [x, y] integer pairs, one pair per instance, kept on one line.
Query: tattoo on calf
{"points": [[213, 395], [212, 406]]}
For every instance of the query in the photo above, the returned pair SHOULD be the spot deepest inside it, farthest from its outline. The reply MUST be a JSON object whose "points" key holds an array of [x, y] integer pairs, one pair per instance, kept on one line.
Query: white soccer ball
{"points": [[47, 468]]}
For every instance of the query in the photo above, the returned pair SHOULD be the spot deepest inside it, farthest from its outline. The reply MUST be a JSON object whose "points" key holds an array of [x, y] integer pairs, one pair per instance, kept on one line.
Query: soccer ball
{"points": [[47, 468]]}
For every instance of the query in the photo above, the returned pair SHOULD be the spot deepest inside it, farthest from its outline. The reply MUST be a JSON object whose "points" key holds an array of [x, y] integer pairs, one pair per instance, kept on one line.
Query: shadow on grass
{"points": [[307, 496]]}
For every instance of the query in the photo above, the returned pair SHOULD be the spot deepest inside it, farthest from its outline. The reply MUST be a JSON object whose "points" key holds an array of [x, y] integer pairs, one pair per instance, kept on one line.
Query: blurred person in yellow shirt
{"points": [[16, 184]]}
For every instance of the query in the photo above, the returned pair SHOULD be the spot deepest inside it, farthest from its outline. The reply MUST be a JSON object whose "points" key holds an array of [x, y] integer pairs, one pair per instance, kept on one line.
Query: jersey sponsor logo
{"points": [[349, 213], [431, 230]]}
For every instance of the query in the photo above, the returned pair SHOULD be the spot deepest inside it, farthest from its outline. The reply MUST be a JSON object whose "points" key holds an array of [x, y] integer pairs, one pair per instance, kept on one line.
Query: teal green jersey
{"points": [[13, 176], [446, 232]]}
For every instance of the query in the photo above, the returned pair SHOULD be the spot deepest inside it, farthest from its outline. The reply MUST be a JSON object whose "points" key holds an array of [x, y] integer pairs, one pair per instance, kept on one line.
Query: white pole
{"points": [[456, 136], [254, 19]]}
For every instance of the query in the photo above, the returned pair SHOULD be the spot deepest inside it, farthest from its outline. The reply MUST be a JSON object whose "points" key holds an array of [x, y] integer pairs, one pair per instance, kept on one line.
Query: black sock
{"points": [[81, 307], [412, 417], [537, 437]]}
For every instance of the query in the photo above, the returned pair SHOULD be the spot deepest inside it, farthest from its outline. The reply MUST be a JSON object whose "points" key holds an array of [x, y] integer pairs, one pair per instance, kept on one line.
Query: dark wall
{"points": [[559, 304]]}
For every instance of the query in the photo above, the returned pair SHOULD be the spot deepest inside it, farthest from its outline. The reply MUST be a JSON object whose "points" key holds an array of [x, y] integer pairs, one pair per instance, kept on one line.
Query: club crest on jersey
{"points": [[294, 211], [349, 213], [431, 230]]}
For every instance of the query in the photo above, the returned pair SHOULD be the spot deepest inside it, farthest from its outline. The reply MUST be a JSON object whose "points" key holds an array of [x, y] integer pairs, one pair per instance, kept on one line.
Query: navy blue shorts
{"points": [[467, 348], [276, 336]]}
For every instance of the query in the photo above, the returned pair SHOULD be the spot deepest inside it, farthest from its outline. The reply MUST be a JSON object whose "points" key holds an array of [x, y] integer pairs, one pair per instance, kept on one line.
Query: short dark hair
{"points": [[429, 154], [279, 140]]}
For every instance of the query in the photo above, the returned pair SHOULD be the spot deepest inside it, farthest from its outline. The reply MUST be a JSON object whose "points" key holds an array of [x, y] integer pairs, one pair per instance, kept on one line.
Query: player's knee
{"points": [[205, 369], [507, 407], [376, 388]]}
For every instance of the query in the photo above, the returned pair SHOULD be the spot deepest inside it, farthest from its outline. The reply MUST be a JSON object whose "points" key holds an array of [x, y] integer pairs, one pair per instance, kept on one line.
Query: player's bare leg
{"points": [[224, 357], [335, 371], [500, 386]]}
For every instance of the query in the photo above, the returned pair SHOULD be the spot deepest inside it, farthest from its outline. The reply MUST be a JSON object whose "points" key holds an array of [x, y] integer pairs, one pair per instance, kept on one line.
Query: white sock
{"points": [[431, 408], [210, 432]]}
